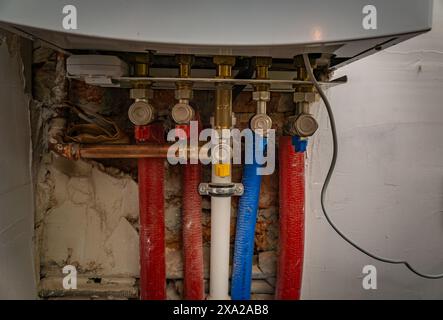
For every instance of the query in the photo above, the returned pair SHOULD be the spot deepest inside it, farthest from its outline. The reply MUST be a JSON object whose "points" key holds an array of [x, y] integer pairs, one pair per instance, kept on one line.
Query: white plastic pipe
{"points": [[220, 233]]}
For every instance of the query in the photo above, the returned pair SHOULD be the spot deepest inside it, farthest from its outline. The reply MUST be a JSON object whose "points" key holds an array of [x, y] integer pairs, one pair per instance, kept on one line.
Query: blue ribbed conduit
{"points": [[246, 219]]}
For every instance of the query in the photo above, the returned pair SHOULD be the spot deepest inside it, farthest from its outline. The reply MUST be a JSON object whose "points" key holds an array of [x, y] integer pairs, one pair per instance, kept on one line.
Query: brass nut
{"points": [[142, 93], [305, 97], [261, 96], [225, 60], [183, 93]]}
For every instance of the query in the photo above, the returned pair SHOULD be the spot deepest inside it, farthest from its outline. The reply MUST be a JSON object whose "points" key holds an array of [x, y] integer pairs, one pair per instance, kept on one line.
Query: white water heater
{"points": [[347, 29]]}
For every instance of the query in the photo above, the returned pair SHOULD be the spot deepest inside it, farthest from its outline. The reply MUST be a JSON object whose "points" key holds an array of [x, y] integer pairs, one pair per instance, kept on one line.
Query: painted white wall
{"points": [[387, 190], [17, 280]]}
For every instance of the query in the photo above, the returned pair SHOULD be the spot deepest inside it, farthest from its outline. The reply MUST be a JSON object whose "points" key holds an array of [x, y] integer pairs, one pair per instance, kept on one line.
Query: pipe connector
{"points": [[140, 64], [184, 91], [262, 98], [304, 125], [182, 113], [261, 123], [224, 66], [141, 112], [308, 97], [141, 93], [262, 65], [223, 94], [303, 94], [185, 62]]}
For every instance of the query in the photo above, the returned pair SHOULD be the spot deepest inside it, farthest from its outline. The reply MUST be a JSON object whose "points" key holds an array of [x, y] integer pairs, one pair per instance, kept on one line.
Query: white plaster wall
{"points": [[17, 277], [387, 190], [86, 222]]}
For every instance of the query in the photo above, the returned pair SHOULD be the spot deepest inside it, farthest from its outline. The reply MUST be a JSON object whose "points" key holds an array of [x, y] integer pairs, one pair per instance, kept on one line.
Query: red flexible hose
{"points": [[152, 221], [292, 204], [192, 234]]}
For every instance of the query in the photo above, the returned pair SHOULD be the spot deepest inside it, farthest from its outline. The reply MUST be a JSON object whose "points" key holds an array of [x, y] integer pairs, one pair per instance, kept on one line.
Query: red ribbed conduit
{"points": [[292, 204], [152, 218], [192, 227], [192, 234]]}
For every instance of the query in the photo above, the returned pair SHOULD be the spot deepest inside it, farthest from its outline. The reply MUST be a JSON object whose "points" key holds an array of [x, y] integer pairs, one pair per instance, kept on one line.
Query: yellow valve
{"points": [[222, 169]]}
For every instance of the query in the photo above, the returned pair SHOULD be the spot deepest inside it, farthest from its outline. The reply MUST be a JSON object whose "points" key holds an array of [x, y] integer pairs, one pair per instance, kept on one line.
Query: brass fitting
{"points": [[261, 122], [141, 112], [223, 107], [261, 93], [141, 69], [303, 94], [182, 112], [262, 65], [141, 93], [185, 62], [303, 123], [183, 91], [224, 66], [261, 96], [300, 96], [223, 94], [141, 65]]}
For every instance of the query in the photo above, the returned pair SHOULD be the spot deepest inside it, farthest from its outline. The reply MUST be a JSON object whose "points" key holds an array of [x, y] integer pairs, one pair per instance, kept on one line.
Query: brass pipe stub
{"points": [[223, 94]]}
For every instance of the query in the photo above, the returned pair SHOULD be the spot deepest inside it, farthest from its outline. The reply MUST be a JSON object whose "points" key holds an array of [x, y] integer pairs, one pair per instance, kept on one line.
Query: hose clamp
{"points": [[221, 189]]}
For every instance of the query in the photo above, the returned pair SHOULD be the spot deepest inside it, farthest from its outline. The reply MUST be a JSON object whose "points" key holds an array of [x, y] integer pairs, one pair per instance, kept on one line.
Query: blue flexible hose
{"points": [[246, 219]]}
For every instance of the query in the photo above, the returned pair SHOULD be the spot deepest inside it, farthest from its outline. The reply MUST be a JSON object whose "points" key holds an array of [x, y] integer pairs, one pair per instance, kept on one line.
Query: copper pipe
{"points": [[124, 151]]}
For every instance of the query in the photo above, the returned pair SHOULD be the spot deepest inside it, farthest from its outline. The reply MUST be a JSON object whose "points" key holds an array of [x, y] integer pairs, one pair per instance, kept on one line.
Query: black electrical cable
{"points": [[331, 171]]}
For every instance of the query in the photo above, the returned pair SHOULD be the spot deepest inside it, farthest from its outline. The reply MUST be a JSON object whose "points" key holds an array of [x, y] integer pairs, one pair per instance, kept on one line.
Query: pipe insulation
{"points": [[152, 226], [291, 221], [245, 229], [192, 234]]}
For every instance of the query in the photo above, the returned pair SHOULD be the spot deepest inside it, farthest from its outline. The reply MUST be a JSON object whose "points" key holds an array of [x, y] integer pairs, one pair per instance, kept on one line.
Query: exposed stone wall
{"points": [[87, 212]]}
